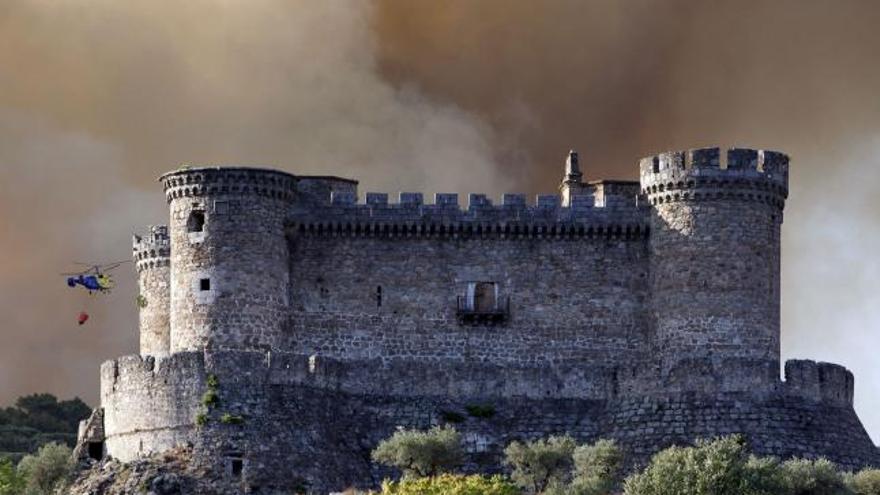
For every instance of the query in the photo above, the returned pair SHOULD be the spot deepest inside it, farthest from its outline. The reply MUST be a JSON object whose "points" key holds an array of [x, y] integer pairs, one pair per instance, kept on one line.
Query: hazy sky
{"points": [[98, 97]]}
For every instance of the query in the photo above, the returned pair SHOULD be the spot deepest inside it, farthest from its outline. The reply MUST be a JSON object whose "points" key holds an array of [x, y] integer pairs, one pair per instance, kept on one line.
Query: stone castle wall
{"points": [[150, 404], [645, 312], [379, 297], [320, 418]]}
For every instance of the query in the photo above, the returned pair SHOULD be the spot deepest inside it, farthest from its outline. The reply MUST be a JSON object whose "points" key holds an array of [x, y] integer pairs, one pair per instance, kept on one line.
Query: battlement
{"points": [[410, 216], [819, 382], [700, 174], [152, 249], [202, 181]]}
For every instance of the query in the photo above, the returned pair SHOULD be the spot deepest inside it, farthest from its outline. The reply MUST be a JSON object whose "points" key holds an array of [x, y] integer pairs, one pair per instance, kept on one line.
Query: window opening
{"points": [[205, 284], [237, 467], [485, 297], [379, 296], [196, 221], [96, 450]]}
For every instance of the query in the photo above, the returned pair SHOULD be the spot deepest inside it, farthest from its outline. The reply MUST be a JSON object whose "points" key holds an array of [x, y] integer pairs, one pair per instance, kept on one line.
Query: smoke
{"points": [[621, 80], [98, 97]]}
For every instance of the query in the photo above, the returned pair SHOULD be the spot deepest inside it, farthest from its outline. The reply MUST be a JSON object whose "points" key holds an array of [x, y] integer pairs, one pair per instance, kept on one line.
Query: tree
{"points": [[540, 464], [865, 482], [11, 483], [719, 467], [421, 453], [596, 468], [813, 477], [47, 470]]}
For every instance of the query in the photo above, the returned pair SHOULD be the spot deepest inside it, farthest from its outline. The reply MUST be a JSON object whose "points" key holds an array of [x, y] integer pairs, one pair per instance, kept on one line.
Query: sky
{"points": [[99, 97]]}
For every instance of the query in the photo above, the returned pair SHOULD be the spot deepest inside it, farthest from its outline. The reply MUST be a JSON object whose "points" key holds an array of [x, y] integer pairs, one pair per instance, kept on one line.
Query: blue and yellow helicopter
{"points": [[94, 279]]}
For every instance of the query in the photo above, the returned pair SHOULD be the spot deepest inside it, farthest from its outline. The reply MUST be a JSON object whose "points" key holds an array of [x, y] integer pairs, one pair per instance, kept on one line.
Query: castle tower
{"points": [[229, 256], [715, 266], [152, 261]]}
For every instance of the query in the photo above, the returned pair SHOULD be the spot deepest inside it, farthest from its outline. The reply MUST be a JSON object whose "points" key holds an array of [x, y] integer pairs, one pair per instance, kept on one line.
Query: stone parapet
{"points": [[819, 382], [513, 218], [207, 181], [698, 175], [152, 249]]}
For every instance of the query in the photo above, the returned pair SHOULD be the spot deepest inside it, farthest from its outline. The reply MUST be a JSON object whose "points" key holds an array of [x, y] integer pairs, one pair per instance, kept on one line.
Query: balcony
{"points": [[483, 312]]}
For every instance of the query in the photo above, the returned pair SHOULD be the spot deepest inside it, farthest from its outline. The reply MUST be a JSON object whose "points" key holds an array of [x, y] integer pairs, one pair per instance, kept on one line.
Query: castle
{"points": [[286, 328]]}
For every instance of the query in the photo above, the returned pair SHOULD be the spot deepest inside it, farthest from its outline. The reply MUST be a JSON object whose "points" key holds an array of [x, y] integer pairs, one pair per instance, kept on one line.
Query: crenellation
{"points": [[742, 159], [446, 199], [377, 199], [513, 200], [478, 201], [547, 202], [819, 382], [647, 312], [411, 199]]}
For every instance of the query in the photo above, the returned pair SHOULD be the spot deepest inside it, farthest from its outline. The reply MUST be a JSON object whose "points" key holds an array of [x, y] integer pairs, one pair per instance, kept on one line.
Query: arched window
{"points": [[196, 221]]}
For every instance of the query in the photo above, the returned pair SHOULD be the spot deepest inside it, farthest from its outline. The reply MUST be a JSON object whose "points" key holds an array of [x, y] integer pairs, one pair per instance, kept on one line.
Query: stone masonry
{"points": [[286, 328]]}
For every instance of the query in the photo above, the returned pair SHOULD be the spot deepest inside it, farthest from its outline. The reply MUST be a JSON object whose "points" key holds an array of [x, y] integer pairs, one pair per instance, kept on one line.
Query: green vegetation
{"points": [[421, 453], [202, 419], [46, 471], [558, 466], [141, 301], [480, 410], [231, 419], [11, 483], [210, 400], [719, 467], [541, 464], [813, 477], [865, 482], [597, 468], [37, 420], [452, 417], [450, 484]]}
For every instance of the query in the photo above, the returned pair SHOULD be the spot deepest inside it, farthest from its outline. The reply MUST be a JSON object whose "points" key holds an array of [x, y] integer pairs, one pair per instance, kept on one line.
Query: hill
{"points": [[36, 420]]}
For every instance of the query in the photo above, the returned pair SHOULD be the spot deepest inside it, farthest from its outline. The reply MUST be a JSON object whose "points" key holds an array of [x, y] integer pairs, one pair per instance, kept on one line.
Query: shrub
{"points": [[11, 482], [865, 482], [452, 417], [48, 470], [212, 381], [813, 477], [480, 410], [231, 419], [210, 398], [596, 468], [719, 467], [540, 464], [450, 484], [421, 453], [202, 419]]}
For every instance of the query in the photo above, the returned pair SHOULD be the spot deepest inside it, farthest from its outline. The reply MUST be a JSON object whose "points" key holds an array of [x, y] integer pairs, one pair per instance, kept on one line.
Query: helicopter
{"points": [[94, 279]]}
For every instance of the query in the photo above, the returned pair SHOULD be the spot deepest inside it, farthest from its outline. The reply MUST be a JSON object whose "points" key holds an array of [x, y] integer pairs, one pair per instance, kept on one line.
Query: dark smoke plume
{"points": [[98, 97]]}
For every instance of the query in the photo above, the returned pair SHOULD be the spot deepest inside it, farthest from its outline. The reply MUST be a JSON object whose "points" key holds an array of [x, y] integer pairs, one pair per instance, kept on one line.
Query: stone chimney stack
{"points": [[571, 182]]}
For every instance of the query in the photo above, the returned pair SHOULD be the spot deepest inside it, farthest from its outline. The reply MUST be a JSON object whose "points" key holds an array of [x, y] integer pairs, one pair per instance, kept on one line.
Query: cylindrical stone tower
{"points": [[715, 267], [229, 256], [152, 261]]}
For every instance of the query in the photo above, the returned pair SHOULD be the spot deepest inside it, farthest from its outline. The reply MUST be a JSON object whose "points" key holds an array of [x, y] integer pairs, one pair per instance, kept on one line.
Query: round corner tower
{"points": [[151, 254], [229, 256], [715, 267]]}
